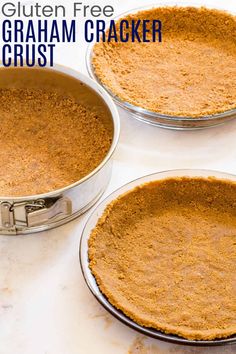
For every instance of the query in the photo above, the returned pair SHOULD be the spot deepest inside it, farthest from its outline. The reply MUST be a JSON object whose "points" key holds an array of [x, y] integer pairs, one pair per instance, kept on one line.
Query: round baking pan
{"points": [[91, 282], [33, 213], [154, 118]]}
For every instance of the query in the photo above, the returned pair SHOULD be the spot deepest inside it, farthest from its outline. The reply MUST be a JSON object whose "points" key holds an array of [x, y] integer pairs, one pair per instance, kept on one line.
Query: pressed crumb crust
{"points": [[48, 140], [192, 72], [165, 254]]}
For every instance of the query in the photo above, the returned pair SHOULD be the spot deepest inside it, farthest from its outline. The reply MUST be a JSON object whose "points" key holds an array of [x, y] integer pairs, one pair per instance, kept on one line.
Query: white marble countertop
{"points": [[45, 306]]}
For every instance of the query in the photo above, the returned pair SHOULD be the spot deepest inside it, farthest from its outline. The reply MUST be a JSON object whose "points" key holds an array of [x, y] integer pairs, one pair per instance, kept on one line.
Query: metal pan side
{"points": [[18, 214]]}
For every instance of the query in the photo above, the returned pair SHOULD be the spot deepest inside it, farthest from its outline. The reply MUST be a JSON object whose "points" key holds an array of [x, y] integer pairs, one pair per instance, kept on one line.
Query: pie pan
{"points": [[154, 118], [90, 279], [32, 213]]}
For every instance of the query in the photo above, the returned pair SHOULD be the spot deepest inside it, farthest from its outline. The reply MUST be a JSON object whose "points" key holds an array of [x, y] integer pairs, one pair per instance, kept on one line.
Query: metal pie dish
{"points": [[34, 213], [91, 281], [154, 118]]}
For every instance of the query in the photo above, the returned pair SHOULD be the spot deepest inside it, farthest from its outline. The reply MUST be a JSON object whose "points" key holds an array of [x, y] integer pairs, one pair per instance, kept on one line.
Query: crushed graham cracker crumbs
{"points": [[191, 73], [49, 140], [165, 254]]}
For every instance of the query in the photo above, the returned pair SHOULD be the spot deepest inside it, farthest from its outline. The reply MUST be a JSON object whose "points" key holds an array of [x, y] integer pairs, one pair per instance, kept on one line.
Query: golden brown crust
{"points": [[48, 140], [164, 253], [191, 73]]}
